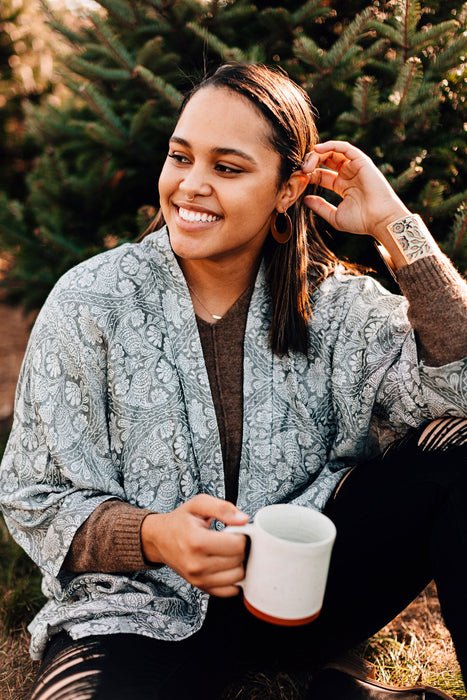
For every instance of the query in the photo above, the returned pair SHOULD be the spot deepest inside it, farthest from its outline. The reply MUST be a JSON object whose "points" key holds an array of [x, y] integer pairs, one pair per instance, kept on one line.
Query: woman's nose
{"points": [[195, 183]]}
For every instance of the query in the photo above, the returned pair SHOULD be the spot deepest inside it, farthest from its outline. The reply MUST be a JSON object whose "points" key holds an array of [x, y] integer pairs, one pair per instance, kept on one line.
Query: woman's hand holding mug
{"points": [[184, 540]]}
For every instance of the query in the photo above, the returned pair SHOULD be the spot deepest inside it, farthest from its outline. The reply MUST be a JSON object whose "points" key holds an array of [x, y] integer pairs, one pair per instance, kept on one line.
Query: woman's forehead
{"points": [[215, 113]]}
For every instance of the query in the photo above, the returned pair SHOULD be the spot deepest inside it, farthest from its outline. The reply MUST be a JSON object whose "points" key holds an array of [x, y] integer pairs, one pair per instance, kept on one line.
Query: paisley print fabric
{"points": [[114, 401]]}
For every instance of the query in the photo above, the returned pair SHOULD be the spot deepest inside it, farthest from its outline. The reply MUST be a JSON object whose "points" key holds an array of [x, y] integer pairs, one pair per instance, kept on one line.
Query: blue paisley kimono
{"points": [[114, 401]]}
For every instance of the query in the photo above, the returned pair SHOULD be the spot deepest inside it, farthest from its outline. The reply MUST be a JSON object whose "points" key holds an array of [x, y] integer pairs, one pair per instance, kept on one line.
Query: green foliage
{"points": [[25, 75], [388, 76]]}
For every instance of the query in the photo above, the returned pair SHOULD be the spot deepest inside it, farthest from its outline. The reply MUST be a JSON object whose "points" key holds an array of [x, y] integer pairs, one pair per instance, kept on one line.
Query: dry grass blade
{"points": [[417, 648], [16, 668]]}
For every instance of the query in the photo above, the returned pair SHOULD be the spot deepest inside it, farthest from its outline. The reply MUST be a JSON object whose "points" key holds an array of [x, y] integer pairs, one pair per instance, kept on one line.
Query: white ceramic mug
{"points": [[288, 563]]}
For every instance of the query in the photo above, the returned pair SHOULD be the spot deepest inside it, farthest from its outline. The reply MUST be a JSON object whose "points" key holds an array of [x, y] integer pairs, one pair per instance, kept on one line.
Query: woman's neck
{"points": [[214, 288]]}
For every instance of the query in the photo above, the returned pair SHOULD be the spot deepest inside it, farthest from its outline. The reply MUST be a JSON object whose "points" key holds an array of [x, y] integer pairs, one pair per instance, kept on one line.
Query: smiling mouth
{"points": [[196, 216]]}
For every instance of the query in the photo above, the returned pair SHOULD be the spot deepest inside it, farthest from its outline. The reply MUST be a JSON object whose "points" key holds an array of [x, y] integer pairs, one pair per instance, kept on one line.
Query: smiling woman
{"points": [[218, 190], [228, 361], [250, 136]]}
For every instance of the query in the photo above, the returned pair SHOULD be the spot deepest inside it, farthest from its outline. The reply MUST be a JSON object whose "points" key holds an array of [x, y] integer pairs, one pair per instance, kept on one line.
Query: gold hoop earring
{"points": [[281, 236]]}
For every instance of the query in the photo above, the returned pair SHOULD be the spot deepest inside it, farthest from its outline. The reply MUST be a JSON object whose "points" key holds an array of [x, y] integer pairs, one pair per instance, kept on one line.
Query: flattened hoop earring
{"points": [[284, 235]]}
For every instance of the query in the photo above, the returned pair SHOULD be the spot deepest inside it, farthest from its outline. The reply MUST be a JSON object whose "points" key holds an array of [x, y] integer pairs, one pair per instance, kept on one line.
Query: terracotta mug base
{"points": [[285, 622]]}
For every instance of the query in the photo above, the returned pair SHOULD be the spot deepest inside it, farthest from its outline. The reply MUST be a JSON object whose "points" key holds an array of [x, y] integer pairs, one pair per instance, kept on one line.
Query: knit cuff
{"points": [[127, 549], [437, 297], [433, 274]]}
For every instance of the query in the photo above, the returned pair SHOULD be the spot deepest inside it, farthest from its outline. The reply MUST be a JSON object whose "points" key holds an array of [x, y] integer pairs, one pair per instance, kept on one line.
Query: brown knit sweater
{"points": [[109, 540]]}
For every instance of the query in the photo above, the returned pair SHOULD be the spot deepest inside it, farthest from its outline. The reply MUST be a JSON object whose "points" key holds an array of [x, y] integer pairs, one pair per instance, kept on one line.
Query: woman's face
{"points": [[219, 185]]}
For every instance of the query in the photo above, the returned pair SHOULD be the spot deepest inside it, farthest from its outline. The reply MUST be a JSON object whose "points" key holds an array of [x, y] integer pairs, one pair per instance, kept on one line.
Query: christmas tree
{"points": [[26, 77], [387, 76]]}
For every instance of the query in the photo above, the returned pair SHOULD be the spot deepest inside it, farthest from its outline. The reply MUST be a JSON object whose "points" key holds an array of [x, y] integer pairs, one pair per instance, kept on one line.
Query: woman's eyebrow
{"points": [[219, 150]]}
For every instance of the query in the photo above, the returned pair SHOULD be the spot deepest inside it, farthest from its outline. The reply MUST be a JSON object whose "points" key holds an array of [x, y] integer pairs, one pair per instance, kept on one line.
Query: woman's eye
{"points": [[178, 157], [227, 169]]}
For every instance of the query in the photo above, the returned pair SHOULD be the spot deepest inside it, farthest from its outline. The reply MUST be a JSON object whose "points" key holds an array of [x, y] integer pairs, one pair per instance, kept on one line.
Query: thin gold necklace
{"points": [[214, 316]]}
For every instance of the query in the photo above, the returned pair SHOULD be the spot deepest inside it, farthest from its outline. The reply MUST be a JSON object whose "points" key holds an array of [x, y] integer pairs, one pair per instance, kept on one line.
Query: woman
{"points": [[226, 361]]}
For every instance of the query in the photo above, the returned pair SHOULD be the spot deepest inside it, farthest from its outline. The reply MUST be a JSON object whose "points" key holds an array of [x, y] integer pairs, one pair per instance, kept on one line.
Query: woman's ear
{"points": [[292, 189]]}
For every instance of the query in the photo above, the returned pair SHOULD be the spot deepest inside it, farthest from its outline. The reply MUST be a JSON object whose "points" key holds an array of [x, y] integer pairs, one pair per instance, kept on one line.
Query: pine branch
{"points": [[275, 19], [121, 10], [405, 33], [93, 70], [59, 240], [432, 196], [227, 53], [99, 133], [236, 14], [116, 47], [408, 83], [393, 34], [149, 49], [168, 92], [446, 206], [376, 49], [13, 236], [97, 51], [53, 22], [58, 167], [411, 13], [154, 28], [407, 176], [157, 4], [365, 98], [423, 108], [348, 38], [450, 57], [101, 106], [435, 35], [312, 9], [53, 123], [141, 118], [308, 51], [256, 54]]}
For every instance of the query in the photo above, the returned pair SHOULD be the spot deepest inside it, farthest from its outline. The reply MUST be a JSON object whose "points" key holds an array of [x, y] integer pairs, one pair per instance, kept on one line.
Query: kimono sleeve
{"points": [[381, 388], [58, 466]]}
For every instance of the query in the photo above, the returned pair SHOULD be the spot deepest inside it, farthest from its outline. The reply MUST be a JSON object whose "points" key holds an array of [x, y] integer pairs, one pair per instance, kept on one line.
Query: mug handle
{"points": [[241, 529], [248, 530]]}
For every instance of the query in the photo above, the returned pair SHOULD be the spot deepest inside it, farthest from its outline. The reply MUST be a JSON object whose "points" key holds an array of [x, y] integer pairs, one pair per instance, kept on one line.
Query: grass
{"points": [[20, 598], [415, 648]]}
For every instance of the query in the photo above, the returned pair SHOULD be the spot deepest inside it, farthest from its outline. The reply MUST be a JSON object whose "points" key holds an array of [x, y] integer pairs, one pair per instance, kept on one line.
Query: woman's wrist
{"points": [[405, 240], [148, 534]]}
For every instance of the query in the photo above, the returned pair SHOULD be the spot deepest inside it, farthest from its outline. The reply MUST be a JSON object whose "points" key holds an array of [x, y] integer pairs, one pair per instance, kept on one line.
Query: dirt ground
{"points": [[14, 332]]}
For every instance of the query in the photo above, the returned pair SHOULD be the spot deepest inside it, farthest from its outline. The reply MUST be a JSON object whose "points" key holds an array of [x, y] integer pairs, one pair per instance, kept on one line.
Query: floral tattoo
{"points": [[412, 236]]}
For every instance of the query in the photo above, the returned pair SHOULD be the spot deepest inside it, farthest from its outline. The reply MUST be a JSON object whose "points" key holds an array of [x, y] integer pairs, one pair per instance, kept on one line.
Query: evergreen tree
{"points": [[25, 77], [387, 76]]}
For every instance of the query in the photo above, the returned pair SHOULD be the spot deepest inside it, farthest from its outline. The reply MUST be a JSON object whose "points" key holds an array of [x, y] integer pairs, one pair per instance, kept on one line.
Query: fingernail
{"points": [[239, 515]]}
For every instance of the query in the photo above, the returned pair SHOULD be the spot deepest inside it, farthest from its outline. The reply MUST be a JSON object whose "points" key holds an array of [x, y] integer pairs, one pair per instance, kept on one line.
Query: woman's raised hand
{"points": [[368, 203], [182, 539]]}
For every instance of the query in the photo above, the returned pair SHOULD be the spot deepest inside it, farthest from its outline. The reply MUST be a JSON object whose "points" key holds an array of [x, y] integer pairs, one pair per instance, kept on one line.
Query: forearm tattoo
{"points": [[413, 237]]}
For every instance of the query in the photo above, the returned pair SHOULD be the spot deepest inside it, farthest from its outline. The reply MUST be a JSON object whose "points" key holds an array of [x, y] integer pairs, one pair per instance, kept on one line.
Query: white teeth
{"points": [[189, 215]]}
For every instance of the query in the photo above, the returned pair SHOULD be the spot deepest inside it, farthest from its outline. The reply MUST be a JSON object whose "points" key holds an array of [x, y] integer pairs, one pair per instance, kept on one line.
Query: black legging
{"points": [[400, 522]]}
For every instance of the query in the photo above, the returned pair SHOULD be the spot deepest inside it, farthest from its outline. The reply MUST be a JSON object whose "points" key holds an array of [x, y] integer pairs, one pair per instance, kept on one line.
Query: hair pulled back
{"points": [[293, 269]]}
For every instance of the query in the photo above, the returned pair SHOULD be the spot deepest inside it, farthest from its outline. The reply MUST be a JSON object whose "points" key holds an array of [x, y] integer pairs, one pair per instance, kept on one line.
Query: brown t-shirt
{"points": [[109, 540]]}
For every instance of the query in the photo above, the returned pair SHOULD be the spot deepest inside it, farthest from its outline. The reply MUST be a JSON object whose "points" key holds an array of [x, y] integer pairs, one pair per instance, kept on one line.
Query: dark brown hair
{"points": [[295, 268]]}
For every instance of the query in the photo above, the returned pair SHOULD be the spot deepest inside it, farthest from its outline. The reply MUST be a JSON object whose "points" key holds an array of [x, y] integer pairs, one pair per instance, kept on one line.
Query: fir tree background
{"points": [[88, 99], [389, 77]]}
